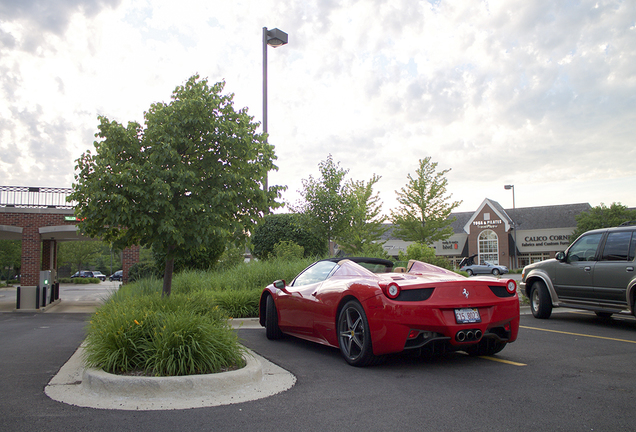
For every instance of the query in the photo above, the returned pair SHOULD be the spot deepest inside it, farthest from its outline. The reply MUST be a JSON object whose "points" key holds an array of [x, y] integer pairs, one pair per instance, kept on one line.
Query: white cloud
{"points": [[539, 94]]}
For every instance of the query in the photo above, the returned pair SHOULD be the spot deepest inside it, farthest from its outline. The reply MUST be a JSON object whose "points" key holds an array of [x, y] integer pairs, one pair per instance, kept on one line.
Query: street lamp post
{"points": [[273, 38], [514, 224]]}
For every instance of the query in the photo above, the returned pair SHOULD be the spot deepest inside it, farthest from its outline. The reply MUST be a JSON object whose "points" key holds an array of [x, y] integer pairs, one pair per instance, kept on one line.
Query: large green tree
{"points": [[365, 225], [284, 227], [325, 206], [79, 254], [425, 208], [602, 217], [194, 171]]}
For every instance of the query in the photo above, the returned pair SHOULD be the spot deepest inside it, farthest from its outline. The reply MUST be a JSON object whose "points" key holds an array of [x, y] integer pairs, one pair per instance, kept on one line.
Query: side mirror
{"points": [[560, 256], [279, 284]]}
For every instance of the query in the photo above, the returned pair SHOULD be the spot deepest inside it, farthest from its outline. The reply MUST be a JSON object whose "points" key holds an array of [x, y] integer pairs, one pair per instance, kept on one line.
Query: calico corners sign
{"points": [[556, 239]]}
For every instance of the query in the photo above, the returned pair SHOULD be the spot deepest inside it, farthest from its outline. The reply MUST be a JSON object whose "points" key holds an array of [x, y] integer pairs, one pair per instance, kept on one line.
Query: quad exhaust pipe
{"points": [[468, 335]]}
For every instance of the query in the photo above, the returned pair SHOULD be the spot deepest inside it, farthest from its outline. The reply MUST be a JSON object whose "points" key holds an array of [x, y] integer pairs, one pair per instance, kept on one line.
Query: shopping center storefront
{"points": [[510, 237]]}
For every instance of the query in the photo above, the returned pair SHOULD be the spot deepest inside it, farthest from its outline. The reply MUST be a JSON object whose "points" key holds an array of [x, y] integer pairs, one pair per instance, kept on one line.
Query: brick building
{"points": [[490, 233]]}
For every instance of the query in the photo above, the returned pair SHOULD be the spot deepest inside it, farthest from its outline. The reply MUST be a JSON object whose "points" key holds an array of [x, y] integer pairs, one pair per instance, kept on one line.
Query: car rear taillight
{"points": [[391, 290], [511, 286]]}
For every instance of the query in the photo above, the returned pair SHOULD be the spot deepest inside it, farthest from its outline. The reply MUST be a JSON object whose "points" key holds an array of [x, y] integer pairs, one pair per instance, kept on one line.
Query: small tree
{"points": [[365, 225], [421, 252], [195, 171], [326, 206], [602, 217], [424, 214]]}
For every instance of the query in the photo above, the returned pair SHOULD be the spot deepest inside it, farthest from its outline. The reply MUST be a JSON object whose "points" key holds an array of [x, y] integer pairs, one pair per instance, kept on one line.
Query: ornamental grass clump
{"points": [[239, 304], [150, 335]]}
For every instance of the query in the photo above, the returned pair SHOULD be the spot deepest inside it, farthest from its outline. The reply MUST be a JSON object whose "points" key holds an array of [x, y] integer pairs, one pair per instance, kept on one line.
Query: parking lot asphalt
{"points": [[572, 372]]}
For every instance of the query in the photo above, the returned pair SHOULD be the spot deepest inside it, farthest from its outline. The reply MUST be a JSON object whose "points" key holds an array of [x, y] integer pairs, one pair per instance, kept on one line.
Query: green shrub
{"points": [[288, 250], [80, 281], [186, 343], [239, 304], [179, 335], [65, 280]]}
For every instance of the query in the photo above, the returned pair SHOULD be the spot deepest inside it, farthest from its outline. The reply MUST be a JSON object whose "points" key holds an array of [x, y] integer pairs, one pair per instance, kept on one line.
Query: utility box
{"points": [[28, 298], [45, 287]]}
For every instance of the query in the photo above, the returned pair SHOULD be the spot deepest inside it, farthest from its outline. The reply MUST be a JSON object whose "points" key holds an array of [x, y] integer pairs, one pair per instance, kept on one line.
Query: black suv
{"points": [[595, 273], [118, 275]]}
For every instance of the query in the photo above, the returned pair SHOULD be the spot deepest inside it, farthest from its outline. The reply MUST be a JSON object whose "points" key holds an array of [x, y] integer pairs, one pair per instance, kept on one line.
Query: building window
{"points": [[529, 258], [488, 247]]}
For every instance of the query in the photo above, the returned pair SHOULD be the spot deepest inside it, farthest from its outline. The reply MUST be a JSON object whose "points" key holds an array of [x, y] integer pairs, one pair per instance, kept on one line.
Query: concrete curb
{"points": [[76, 385]]}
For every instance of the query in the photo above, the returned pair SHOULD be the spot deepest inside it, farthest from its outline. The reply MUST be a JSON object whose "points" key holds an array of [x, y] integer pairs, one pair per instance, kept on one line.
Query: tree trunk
{"points": [[167, 274]]}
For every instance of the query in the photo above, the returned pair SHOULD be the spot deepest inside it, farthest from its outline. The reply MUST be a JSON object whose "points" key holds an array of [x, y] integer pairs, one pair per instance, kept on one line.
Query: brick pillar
{"points": [[31, 254], [46, 255], [129, 256]]}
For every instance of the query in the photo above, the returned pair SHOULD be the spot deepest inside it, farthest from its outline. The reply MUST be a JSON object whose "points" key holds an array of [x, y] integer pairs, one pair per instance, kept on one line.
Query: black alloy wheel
{"points": [[354, 336]]}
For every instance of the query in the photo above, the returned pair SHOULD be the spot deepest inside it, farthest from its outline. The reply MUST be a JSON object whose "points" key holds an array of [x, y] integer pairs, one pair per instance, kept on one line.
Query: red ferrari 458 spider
{"points": [[367, 308]]}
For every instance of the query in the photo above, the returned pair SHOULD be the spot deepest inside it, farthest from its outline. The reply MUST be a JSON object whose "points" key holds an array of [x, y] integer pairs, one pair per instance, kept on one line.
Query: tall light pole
{"points": [[514, 224], [273, 38]]}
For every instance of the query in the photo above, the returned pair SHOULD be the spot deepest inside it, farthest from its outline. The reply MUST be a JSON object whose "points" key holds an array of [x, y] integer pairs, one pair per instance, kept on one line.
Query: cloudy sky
{"points": [[539, 94]]}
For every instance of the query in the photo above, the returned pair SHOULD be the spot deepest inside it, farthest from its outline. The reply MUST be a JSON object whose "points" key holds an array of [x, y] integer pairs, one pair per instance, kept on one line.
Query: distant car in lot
{"points": [[99, 275], [595, 273], [83, 274], [118, 275], [468, 265]]}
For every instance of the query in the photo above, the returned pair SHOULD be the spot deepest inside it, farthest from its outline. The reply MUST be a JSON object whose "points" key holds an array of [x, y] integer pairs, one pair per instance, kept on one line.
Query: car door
{"points": [[615, 268], [297, 307], [573, 276]]}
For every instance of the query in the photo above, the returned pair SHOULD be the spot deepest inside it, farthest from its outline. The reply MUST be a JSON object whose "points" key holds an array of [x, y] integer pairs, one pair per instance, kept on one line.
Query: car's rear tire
{"points": [[470, 272], [272, 330], [540, 302], [495, 272], [354, 336]]}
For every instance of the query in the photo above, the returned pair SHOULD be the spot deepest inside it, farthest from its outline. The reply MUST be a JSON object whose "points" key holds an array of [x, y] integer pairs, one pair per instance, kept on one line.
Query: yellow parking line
{"points": [[578, 334], [502, 361]]}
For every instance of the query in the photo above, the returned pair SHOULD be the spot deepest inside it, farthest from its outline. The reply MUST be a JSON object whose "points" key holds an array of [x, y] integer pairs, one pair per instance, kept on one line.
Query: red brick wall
{"points": [[129, 257], [494, 224]]}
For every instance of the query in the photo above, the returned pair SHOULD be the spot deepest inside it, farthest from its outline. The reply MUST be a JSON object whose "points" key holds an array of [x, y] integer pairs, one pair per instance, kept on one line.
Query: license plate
{"points": [[467, 315]]}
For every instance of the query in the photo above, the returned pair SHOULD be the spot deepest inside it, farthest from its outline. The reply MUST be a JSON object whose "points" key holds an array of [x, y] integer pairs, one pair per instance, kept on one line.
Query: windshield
{"points": [[315, 273]]}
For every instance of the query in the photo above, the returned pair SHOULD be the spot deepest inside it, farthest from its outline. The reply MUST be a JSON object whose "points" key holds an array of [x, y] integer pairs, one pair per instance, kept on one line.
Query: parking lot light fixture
{"points": [[273, 38], [514, 225], [508, 187]]}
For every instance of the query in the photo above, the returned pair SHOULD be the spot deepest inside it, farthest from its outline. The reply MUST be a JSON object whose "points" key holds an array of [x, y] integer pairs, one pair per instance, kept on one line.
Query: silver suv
{"points": [[595, 273]]}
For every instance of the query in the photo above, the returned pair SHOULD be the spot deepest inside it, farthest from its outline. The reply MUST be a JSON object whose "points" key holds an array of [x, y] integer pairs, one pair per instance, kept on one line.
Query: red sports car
{"points": [[367, 308]]}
